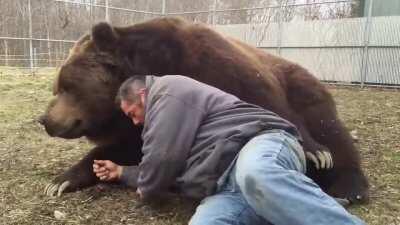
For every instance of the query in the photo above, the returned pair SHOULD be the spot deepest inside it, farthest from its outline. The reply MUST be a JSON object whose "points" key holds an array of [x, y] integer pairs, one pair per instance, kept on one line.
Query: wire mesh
{"points": [[349, 41]]}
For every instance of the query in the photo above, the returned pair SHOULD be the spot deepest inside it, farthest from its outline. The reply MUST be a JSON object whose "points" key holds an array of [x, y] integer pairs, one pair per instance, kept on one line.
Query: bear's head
{"points": [[98, 63]]}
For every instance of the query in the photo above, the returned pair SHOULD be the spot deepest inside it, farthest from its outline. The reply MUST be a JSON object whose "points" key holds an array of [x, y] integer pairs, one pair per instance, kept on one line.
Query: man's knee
{"points": [[257, 158], [271, 151], [256, 175], [252, 179]]}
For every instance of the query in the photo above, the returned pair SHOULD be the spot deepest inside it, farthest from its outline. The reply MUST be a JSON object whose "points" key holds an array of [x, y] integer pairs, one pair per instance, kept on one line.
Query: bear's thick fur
{"points": [[98, 63]]}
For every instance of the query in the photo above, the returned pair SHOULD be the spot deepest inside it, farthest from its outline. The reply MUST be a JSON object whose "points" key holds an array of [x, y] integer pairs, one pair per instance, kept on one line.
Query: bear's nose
{"points": [[42, 119]]}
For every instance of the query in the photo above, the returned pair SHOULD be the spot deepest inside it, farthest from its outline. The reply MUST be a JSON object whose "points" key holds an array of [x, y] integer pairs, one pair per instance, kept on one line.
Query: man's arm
{"points": [[107, 170], [170, 130], [129, 176]]}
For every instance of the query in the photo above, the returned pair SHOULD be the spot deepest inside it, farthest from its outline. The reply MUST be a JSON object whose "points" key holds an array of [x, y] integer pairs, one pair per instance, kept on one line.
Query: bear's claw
{"points": [[322, 159], [53, 189], [342, 201]]}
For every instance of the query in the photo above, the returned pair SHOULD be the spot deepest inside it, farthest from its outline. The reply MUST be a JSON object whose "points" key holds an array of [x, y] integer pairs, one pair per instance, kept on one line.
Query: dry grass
{"points": [[30, 159]]}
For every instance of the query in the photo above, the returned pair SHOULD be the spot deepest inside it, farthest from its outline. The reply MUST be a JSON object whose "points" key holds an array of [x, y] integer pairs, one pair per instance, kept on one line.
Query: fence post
{"points": [[34, 58], [30, 38], [62, 53], [6, 52], [280, 27], [90, 12], [367, 32], [107, 12], [163, 7], [214, 12], [49, 55]]}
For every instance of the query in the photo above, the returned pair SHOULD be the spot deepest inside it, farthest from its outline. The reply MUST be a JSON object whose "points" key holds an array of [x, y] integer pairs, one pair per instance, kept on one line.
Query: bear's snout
{"points": [[42, 119], [70, 129]]}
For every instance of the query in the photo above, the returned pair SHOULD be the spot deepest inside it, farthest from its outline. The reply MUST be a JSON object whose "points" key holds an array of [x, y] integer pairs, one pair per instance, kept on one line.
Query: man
{"points": [[245, 162]]}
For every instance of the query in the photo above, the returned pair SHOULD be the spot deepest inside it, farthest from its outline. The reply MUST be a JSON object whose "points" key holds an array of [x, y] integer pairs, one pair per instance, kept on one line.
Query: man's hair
{"points": [[129, 90]]}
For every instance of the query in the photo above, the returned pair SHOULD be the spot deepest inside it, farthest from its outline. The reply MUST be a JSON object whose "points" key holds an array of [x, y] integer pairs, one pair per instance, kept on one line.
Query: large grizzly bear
{"points": [[98, 63]]}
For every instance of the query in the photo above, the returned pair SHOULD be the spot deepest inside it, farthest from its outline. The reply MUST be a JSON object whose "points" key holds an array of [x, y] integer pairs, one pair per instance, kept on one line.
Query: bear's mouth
{"points": [[75, 130]]}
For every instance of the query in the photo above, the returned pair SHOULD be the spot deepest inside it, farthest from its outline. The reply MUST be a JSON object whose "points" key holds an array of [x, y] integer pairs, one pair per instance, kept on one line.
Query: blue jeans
{"points": [[266, 185]]}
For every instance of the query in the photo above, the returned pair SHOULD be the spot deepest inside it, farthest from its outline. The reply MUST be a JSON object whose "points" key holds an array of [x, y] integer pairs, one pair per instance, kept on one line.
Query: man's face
{"points": [[135, 111]]}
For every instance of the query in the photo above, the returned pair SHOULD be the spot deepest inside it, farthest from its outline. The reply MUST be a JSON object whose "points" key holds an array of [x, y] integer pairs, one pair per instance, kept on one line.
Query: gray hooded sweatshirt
{"points": [[192, 133]]}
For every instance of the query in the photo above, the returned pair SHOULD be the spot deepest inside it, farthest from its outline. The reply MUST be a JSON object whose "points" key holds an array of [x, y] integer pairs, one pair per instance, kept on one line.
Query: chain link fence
{"points": [[343, 41]]}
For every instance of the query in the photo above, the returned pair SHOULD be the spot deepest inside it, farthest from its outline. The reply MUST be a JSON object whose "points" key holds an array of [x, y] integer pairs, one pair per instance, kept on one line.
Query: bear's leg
{"points": [[81, 174], [315, 106], [346, 179], [349, 179], [320, 155]]}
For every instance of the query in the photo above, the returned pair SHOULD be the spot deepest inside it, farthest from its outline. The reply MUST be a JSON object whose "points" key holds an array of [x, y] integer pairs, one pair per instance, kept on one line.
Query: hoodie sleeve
{"points": [[170, 130], [129, 176]]}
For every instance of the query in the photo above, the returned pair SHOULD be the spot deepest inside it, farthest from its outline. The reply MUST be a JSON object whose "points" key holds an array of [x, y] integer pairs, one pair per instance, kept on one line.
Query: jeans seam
{"points": [[242, 211], [281, 146], [293, 149]]}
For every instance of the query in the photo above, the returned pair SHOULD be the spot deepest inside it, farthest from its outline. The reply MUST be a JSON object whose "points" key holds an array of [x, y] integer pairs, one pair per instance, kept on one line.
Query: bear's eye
{"points": [[110, 68], [66, 86], [64, 89]]}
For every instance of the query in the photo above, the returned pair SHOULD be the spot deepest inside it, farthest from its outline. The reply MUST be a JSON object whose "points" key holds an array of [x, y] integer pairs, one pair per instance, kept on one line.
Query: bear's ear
{"points": [[104, 37]]}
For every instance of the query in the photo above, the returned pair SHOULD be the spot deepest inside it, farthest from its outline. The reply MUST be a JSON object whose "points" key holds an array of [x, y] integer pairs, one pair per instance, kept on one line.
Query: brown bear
{"points": [[99, 62]]}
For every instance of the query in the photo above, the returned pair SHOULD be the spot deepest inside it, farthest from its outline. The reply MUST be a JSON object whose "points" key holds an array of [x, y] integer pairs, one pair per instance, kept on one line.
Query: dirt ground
{"points": [[30, 160]]}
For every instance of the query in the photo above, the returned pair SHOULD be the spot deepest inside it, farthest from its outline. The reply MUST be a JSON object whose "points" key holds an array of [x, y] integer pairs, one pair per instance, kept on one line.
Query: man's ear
{"points": [[142, 94], [104, 36]]}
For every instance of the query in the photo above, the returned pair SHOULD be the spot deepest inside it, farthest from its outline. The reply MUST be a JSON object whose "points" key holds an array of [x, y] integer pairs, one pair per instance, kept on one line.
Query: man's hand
{"points": [[106, 170]]}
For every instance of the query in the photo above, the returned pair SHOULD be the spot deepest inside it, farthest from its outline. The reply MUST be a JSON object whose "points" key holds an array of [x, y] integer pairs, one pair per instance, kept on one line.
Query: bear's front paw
{"points": [[350, 184], [56, 188], [322, 159]]}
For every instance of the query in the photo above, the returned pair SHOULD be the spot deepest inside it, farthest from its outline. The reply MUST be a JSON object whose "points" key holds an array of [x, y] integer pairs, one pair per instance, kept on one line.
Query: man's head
{"points": [[131, 98]]}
